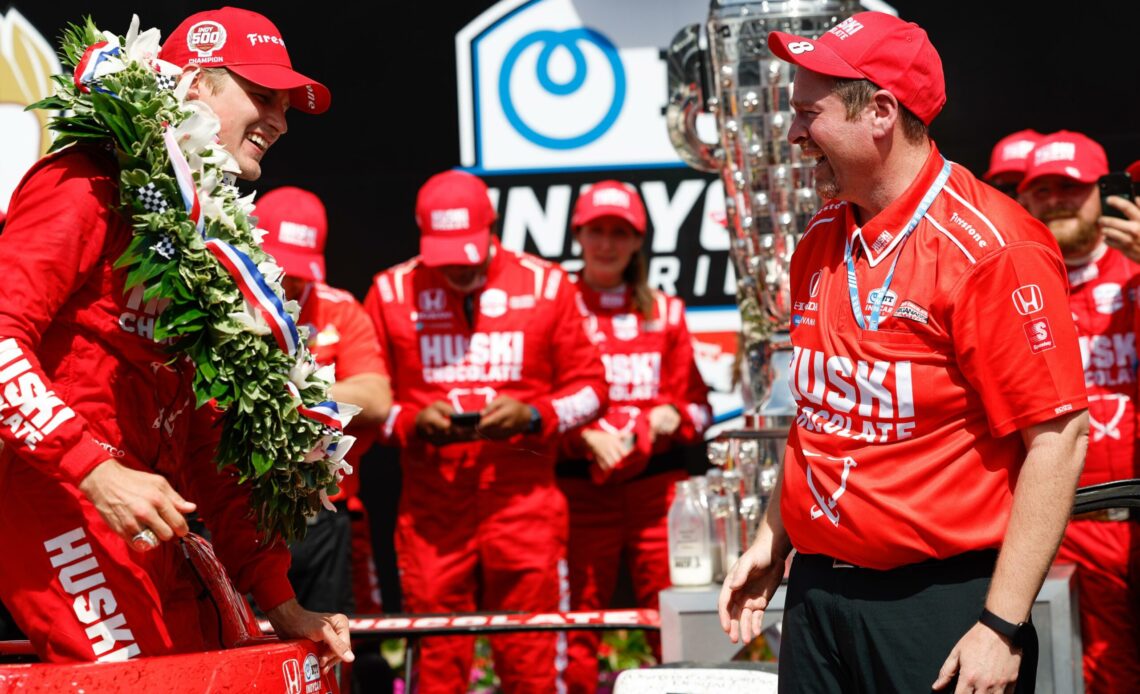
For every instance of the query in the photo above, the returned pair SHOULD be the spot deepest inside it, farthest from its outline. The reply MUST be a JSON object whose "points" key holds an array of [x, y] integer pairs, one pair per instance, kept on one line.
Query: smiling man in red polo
{"points": [[941, 400]]}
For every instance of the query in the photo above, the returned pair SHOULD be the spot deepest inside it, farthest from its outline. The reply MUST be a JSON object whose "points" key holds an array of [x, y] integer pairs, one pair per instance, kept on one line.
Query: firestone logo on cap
{"points": [[611, 197], [206, 37], [1055, 151], [450, 220]]}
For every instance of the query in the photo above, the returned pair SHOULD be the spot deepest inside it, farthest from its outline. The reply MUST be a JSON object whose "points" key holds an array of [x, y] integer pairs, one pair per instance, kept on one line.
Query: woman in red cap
{"points": [[618, 472]]}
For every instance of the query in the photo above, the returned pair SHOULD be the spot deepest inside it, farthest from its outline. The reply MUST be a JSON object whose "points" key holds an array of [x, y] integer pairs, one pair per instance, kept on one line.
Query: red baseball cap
{"points": [[298, 227], [1065, 153], [247, 44], [454, 213], [609, 199], [1011, 153], [895, 55]]}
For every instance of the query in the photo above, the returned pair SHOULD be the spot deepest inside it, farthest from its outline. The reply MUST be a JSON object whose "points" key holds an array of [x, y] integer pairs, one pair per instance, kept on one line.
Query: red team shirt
{"points": [[905, 446], [1102, 296], [340, 333]]}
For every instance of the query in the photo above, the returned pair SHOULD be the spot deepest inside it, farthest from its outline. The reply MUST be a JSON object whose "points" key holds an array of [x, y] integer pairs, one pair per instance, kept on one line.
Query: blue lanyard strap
{"points": [[853, 283]]}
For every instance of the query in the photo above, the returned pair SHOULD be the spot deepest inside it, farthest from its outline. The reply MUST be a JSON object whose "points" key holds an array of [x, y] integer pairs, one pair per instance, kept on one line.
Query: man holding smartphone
{"points": [[490, 362], [1063, 184]]}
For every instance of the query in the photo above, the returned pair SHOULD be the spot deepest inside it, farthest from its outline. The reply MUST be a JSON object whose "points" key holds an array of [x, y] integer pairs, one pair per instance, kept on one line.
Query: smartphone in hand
{"points": [[1115, 183], [464, 420]]}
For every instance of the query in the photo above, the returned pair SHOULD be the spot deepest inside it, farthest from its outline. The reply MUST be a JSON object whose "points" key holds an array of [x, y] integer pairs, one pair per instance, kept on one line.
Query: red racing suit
{"points": [[484, 513], [1106, 545], [341, 334], [83, 381], [649, 362]]}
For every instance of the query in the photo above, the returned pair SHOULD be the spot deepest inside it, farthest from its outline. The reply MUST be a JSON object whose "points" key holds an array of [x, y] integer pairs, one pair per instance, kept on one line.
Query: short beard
{"points": [[1074, 242]]}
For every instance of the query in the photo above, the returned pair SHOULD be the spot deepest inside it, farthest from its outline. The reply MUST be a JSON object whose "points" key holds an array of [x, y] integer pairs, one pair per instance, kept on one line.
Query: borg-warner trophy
{"points": [[726, 71]]}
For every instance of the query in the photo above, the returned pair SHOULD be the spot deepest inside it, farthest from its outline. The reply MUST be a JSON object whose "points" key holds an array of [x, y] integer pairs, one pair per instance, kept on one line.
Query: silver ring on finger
{"points": [[144, 541]]}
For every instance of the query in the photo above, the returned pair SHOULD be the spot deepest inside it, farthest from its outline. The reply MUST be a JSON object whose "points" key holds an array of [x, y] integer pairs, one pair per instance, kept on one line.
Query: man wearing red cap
{"points": [[340, 335], [472, 329], [941, 401], [618, 472], [1060, 189], [106, 473], [1008, 160]]}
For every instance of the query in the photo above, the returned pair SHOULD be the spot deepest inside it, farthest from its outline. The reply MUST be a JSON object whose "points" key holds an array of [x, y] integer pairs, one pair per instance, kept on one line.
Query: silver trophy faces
{"points": [[725, 70]]}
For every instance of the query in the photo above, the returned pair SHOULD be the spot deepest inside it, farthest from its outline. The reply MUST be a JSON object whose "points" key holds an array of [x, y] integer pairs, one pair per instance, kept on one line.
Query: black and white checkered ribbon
{"points": [[164, 247], [152, 199]]}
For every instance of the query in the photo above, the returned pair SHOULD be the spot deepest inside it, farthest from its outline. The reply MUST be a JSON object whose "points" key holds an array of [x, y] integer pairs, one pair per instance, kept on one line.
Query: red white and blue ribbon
{"points": [[327, 412], [85, 69], [255, 289], [185, 179], [248, 278]]}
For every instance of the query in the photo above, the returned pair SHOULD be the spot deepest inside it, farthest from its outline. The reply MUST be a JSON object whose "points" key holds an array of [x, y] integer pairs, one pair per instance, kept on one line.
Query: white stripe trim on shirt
{"points": [[959, 198], [952, 237]]}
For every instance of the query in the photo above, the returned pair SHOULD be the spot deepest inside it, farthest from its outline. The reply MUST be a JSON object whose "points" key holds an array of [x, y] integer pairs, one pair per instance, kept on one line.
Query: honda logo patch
{"points": [[432, 300], [1027, 299]]}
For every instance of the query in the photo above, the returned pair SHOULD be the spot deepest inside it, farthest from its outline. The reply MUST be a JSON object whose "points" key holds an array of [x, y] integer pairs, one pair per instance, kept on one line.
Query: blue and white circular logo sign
{"points": [[576, 73]]}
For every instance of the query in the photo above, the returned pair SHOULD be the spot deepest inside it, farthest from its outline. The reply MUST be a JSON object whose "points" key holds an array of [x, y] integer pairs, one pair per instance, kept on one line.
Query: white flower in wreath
{"points": [[326, 374], [250, 319], [302, 369], [142, 48], [271, 271], [246, 205], [215, 208], [196, 132]]}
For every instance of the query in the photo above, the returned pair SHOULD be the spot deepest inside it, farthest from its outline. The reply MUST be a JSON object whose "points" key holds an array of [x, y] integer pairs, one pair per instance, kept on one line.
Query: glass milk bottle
{"points": [[704, 497], [690, 561]]}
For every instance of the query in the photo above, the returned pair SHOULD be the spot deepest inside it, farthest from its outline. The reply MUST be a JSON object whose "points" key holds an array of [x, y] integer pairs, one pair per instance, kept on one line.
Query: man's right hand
{"points": [[747, 590], [433, 424], [131, 501]]}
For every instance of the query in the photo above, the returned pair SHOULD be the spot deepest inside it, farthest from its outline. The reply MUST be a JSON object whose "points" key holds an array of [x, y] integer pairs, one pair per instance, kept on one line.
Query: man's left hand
{"points": [[504, 417], [984, 662], [291, 621], [1123, 234]]}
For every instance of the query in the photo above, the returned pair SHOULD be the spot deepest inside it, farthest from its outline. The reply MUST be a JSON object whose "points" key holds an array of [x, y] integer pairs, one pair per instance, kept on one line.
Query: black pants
{"points": [[321, 571], [849, 630]]}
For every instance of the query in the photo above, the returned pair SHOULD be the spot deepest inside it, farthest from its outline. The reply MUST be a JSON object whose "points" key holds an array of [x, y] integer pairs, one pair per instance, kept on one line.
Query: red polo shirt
{"points": [[905, 446]]}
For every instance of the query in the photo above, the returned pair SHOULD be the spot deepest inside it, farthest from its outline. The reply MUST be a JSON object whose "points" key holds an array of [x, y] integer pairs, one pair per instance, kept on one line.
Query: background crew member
{"points": [[490, 363], [618, 472], [1008, 160], [1060, 189], [340, 335]]}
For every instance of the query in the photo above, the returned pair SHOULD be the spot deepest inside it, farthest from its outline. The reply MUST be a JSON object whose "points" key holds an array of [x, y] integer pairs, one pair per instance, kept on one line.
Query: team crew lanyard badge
{"points": [[872, 322]]}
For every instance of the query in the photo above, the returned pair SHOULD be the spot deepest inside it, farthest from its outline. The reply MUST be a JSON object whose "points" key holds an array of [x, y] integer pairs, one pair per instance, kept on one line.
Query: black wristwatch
{"points": [[1017, 634], [535, 425]]}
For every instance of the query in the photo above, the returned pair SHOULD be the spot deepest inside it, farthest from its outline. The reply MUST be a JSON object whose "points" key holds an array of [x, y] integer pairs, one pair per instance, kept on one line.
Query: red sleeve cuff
{"points": [[81, 459]]}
